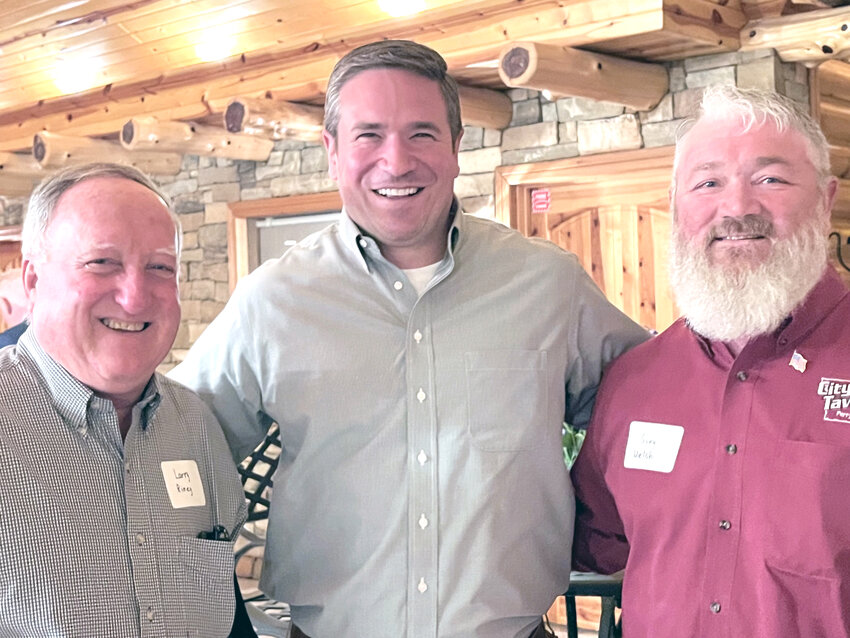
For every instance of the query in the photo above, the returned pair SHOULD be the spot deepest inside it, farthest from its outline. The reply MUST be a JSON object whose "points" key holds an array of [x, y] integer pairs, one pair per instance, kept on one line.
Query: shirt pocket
{"points": [[208, 595], [809, 526], [507, 394]]}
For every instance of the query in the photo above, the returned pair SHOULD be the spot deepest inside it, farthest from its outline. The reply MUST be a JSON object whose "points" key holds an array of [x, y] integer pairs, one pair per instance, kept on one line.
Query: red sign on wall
{"points": [[541, 198]]}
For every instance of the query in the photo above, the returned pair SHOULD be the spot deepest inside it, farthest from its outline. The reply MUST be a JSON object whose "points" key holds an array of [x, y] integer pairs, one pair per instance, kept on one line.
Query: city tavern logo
{"points": [[836, 399]]}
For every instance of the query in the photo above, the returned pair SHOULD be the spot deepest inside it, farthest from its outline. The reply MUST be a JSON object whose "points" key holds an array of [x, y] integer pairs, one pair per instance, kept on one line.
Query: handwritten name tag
{"points": [[183, 482], [653, 446]]}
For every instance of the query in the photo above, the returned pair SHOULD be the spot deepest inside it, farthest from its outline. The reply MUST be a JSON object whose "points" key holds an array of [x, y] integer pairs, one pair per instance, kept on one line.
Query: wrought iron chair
{"points": [[609, 588], [270, 618]]}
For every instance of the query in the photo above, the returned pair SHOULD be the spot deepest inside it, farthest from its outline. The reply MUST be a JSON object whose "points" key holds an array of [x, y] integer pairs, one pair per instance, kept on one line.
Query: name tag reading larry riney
{"points": [[183, 482], [653, 446]]}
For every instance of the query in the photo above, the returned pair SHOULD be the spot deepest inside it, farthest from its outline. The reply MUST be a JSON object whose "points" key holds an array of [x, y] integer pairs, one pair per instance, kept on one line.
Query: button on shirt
{"points": [[748, 534], [421, 489], [90, 544]]}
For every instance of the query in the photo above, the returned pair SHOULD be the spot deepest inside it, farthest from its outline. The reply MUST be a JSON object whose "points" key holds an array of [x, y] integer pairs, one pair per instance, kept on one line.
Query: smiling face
{"points": [[738, 190], [395, 163], [103, 295]]}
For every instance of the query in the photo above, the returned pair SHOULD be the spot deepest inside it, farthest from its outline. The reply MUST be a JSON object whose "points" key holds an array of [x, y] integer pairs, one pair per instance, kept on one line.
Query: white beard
{"points": [[727, 303]]}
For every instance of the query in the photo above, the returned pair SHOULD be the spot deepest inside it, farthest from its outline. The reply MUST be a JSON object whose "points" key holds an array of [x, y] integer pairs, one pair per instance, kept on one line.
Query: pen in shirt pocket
{"points": [[218, 533]]}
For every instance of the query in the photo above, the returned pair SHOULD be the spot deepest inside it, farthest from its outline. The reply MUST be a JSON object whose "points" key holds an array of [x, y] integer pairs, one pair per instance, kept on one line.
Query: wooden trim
{"points": [[10, 233], [606, 171], [239, 213]]}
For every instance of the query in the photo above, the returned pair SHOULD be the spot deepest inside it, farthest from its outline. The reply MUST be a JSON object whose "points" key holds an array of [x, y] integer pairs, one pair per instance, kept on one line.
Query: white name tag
{"points": [[653, 446], [183, 482]]}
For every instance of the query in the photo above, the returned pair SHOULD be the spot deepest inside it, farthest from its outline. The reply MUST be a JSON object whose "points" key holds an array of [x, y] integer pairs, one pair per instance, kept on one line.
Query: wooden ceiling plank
{"points": [[294, 71], [705, 21], [809, 37]]}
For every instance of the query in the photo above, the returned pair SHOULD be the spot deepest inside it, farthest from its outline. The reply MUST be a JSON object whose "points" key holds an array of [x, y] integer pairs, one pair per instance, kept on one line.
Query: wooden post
{"points": [[484, 107], [566, 71], [149, 133], [275, 118], [53, 151]]}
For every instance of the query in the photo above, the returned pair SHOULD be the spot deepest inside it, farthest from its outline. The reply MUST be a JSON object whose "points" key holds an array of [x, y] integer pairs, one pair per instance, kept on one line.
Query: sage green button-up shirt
{"points": [[422, 489]]}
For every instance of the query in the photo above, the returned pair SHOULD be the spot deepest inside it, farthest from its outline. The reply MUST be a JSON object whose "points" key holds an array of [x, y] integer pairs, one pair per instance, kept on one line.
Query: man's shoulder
{"points": [[489, 232], [653, 352]]}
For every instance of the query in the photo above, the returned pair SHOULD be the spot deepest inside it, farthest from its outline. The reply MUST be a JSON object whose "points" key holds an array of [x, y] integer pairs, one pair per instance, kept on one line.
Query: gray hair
{"points": [[46, 195], [756, 107], [393, 54]]}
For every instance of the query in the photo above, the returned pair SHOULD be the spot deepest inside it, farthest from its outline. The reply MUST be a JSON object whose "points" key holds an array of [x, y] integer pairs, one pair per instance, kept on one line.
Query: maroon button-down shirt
{"points": [[749, 533]]}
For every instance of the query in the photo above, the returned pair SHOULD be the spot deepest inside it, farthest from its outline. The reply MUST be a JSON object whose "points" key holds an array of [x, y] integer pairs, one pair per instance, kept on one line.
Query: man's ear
{"points": [[829, 193], [30, 275], [330, 146]]}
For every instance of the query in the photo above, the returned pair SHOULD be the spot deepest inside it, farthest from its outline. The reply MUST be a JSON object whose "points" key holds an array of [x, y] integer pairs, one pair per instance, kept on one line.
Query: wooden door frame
{"points": [[239, 213], [590, 176]]}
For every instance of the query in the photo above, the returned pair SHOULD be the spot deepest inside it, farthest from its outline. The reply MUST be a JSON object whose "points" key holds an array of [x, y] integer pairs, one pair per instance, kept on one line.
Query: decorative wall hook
{"points": [[838, 249]]}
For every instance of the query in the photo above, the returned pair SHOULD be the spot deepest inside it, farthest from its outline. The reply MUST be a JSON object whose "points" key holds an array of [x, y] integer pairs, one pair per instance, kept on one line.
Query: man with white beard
{"points": [[717, 463]]}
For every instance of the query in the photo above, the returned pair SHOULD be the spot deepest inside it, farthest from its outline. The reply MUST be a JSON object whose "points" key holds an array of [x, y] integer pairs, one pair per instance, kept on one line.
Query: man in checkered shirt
{"points": [[119, 497]]}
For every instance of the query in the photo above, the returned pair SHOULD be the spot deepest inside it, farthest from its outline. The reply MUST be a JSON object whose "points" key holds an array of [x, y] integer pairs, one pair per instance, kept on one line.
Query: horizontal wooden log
{"points": [[572, 72], [148, 133], [16, 185], [20, 164], [54, 151], [809, 37], [276, 118], [484, 107]]}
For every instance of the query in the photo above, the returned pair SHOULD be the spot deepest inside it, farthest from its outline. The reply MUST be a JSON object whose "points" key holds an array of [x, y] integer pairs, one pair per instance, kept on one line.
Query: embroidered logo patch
{"points": [[836, 399]]}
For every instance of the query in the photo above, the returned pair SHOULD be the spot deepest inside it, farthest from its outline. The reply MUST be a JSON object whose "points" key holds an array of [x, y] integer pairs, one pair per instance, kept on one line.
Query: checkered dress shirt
{"points": [[90, 542]]}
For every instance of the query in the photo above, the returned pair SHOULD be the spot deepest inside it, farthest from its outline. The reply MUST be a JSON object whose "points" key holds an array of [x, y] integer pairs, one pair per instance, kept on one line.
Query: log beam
{"points": [[277, 119], [809, 37], [20, 165], [54, 151], [572, 72], [148, 133], [16, 185], [484, 107]]}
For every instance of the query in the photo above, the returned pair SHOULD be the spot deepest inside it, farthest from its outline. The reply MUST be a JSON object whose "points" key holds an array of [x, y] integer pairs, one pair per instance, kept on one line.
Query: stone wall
{"points": [[540, 130]]}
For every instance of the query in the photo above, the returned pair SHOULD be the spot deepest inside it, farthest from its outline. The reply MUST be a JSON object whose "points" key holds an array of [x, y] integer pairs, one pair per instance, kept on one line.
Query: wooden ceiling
{"points": [[85, 67]]}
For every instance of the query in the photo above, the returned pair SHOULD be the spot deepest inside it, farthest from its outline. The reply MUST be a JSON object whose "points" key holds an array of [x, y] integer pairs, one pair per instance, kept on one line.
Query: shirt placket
{"points": [[422, 477], [140, 540], [725, 513]]}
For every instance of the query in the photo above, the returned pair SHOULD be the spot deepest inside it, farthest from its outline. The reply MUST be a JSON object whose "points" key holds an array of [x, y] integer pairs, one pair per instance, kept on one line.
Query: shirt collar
{"points": [[366, 249], [71, 398]]}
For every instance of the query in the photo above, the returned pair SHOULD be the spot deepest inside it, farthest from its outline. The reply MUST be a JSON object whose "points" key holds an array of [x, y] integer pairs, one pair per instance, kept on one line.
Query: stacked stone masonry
{"points": [[541, 130]]}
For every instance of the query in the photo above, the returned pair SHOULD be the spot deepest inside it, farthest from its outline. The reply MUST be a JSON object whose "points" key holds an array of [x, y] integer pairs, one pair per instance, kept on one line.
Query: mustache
{"points": [[749, 224]]}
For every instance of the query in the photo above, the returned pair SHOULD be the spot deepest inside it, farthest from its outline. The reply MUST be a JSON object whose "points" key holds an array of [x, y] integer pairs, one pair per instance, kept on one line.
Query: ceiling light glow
{"points": [[401, 8]]}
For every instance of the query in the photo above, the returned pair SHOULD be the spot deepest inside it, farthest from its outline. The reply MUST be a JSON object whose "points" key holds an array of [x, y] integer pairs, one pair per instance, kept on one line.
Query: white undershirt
{"points": [[421, 277]]}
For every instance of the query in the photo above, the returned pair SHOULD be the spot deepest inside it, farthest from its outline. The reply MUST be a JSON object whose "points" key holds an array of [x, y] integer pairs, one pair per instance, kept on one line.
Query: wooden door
{"points": [[612, 212]]}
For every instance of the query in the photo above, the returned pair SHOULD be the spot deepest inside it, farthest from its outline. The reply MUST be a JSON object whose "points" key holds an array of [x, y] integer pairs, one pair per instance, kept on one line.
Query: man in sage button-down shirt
{"points": [[420, 364], [111, 476]]}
